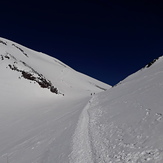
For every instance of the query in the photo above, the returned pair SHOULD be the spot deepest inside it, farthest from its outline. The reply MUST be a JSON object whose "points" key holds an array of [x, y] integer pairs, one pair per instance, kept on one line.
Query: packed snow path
{"points": [[107, 136], [81, 152]]}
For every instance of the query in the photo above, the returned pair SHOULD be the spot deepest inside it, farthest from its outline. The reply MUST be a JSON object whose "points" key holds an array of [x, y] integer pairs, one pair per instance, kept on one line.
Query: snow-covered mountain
{"points": [[125, 123], [40, 101], [51, 113], [34, 70]]}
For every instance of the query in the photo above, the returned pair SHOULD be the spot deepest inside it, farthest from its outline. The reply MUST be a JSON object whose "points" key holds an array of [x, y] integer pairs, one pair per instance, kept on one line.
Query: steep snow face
{"points": [[28, 68], [126, 122]]}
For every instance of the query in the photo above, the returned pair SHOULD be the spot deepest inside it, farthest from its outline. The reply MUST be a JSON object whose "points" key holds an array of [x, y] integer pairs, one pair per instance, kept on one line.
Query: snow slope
{"points": [[41, 100], [48, 113], [39, 67], [125, 123]]}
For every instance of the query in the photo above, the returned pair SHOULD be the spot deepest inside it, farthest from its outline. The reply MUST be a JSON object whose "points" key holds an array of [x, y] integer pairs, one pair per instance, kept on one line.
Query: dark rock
{"points": [[27, 75], [3, 42], [54, 90], [38, 78]]}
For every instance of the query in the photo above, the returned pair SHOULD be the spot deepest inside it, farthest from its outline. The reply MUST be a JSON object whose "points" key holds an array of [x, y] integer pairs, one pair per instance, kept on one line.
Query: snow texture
{"points": [[80, 120], [41, 100], [125, 123], [82, 152]]}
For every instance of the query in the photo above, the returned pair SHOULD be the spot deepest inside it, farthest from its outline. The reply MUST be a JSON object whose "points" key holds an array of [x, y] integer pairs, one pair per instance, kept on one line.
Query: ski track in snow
{"points": [[82, 152]]}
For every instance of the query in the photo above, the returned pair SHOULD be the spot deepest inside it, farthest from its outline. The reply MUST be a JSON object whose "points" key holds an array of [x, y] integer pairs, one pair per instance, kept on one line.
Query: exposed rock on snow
{"points": [[40, 68], [3, 42], [151, 63], [20, 49], [36, 77]]}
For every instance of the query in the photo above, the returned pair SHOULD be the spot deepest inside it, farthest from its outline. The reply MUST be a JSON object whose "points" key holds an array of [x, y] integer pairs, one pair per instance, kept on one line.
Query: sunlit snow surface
{"points": [[80, 123], [36, 125], [126, 122]]}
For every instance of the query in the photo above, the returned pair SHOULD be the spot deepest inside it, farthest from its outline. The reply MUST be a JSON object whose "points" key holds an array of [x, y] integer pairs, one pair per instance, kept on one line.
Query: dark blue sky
{"points": [[107, 40]]}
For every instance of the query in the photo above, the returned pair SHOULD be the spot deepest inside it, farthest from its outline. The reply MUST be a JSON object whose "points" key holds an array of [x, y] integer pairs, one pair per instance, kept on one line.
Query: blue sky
{"points": [[107, 40]]}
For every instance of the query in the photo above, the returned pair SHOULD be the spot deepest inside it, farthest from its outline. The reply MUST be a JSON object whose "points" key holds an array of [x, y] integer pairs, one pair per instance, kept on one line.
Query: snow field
{"points": [[126, 122], [40, 133], [36, 125], [122, 125]]}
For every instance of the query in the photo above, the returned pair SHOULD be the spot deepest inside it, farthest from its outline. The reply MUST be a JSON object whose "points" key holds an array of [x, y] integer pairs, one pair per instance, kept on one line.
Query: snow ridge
{"points": [[81, 152]]}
